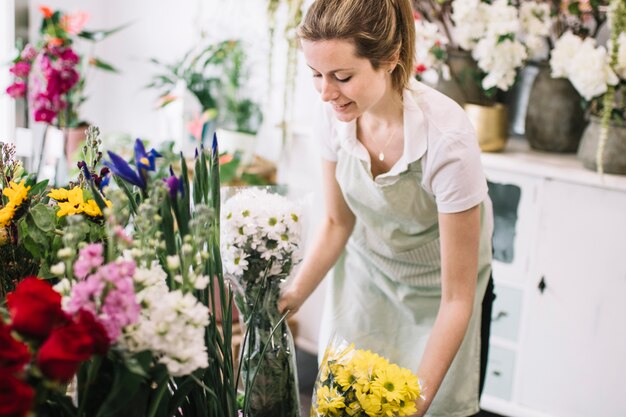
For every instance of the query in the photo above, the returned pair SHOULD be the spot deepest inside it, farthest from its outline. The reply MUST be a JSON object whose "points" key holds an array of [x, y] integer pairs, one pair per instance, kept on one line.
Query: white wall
{"points": [[7, 50]]}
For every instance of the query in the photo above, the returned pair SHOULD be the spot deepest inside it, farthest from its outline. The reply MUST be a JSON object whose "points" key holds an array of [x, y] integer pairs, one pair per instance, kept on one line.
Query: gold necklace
{"points": [[381, 152]]}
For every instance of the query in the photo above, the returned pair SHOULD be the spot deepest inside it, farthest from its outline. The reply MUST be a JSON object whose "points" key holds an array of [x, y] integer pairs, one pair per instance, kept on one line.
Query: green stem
{"points": [[155, 404], [94, 366]]}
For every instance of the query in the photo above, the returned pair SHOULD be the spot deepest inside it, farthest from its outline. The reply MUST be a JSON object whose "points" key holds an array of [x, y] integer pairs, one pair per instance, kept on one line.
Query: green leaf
{"points": [[98, 35], [98, 63], [574, 8], [38, 188], [131, 198], [44, 217], [167, 223]]}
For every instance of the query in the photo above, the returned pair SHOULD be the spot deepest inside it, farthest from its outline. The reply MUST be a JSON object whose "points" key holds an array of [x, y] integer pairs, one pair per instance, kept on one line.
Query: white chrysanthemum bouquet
{"points": [[260, 239], [359, 383]]}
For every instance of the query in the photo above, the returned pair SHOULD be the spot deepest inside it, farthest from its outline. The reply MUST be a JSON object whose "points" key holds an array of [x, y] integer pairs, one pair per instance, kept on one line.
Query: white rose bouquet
{"points": [[260, 246]]}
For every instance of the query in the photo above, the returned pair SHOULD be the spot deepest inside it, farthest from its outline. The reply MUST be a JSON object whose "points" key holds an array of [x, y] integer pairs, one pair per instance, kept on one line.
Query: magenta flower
{"points": [[17, 89], [20, 69]]}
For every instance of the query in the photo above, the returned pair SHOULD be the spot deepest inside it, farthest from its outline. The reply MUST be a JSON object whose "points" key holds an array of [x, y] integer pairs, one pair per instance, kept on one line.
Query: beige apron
{"points": [[385, 291]]}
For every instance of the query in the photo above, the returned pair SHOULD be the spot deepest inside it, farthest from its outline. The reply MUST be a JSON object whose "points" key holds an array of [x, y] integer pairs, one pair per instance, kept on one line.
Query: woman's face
{"points": [[348, 82]]}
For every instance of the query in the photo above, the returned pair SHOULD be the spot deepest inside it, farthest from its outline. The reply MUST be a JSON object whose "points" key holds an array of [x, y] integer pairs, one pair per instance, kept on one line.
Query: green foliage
{"points": [[215, 75]]}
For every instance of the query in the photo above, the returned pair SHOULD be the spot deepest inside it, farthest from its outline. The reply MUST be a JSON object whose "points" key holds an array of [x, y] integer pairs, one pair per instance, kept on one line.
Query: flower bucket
{"points": [[231, 141], [614, 156], [491, 124]]}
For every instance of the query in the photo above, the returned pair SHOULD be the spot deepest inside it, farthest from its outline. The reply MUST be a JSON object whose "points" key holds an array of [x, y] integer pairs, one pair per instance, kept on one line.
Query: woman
{"points": [[408, 219]]}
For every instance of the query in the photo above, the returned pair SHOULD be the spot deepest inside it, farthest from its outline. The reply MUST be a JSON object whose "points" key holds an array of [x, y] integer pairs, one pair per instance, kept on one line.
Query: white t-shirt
{"points": [[437, 130]]}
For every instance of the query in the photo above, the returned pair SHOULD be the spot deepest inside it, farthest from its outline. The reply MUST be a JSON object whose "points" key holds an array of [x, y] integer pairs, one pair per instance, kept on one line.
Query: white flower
{"points": [[64, 287], [470, 19], [536, 23], [172, 326], [149, 277], [257, 228], [562, 54], [429, 40], [621, 56], [58, 269], [502, 19], [499, 60], [173, 262], [65, 253], [590, 73]]}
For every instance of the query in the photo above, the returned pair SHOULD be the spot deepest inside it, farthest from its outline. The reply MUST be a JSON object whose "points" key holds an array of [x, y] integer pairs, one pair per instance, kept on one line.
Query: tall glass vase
{"points": [[268, 361], [260, 245]]}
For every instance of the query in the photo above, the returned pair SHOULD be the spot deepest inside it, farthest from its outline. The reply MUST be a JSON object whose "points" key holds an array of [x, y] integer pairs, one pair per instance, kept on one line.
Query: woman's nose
{"points": [[328, 91]]}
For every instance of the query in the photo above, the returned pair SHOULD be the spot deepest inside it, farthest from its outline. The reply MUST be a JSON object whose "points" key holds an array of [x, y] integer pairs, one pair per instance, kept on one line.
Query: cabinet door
{"points": [[515, 202], [573, 351]]}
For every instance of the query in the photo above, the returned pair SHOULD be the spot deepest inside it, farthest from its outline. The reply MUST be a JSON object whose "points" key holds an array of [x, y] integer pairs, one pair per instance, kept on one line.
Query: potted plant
{"points": [[601, 80], [484, 54], [239, 117], [52, 75], [215, 75]]}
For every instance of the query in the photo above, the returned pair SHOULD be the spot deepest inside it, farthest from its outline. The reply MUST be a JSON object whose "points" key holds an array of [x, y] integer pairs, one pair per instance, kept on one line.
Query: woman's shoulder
{"points": [[444, 116]]}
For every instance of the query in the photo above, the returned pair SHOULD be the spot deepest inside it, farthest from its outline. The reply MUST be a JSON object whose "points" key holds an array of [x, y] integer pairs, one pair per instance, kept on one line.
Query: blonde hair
{"points": [[381, 30]]}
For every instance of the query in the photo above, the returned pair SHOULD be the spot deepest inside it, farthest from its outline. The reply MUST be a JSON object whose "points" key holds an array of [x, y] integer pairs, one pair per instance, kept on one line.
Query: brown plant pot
{"points": [[463, 86], [614, 156], [555, 120], [74, 138]]}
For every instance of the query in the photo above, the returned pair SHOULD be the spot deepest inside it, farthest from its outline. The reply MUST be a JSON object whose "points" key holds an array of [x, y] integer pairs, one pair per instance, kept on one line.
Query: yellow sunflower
{"points": [[74, 204], [16, 193], [59, 194], [90, 208], [6, 214]]}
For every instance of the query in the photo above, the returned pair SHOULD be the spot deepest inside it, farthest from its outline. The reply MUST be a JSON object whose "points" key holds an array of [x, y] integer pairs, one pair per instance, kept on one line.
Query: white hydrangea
{"points": [[535, 24], [171, 326], [502, 19], [562, 54], [499, 60], [257, 224], [470, 19], [590, 73]]}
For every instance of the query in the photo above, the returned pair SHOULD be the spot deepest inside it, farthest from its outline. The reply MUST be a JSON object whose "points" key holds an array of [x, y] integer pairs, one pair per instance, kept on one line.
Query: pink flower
{"points": [[74, 23], [108, 293], [17, 89], [28, 53], [21, 69], [89, 259]]}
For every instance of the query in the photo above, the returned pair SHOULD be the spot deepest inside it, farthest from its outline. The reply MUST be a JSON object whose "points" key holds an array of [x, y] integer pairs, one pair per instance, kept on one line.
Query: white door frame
{"points": [[7, 48]]}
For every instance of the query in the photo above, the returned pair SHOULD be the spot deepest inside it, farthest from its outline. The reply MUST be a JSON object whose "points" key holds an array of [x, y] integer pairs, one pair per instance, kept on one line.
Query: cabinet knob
{"points": [[542, 285]]}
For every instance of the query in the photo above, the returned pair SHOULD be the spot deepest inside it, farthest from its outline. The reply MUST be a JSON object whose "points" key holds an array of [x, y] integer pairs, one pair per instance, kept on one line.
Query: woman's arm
{"points": [[330, 240], [460, 237]]}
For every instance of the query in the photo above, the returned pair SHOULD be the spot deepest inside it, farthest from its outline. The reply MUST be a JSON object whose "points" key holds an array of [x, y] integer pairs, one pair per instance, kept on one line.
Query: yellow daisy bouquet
{"points": [[358, 383]]}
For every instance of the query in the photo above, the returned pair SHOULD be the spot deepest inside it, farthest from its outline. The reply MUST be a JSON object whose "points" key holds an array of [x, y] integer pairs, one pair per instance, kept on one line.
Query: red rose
{"points": [[16, 396], [35, 308], [95, 329], [13, 353], [61, 354]]}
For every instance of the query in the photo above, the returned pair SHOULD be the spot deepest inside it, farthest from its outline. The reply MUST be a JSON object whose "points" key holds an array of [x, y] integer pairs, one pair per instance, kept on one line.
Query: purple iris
{"points": [[144, 161], [174, 184]]}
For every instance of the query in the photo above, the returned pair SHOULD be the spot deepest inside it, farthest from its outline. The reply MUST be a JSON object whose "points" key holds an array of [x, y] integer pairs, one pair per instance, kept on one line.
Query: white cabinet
{"points": [[558, 345]]}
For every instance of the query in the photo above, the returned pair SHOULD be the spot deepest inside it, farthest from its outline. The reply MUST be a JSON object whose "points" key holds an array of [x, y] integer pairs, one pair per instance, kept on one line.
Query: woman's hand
{"points": [[290, 300]]}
